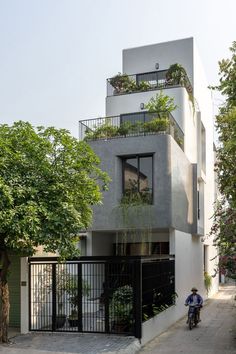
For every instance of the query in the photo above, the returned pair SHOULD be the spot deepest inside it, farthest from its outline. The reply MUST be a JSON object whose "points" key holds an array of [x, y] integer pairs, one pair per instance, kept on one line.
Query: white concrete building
{"points": [[172, 171], [179, 176]]}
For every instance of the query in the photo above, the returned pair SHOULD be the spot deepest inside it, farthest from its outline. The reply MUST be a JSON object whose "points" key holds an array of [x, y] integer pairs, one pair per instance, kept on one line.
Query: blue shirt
{"points": [[190, 299]]}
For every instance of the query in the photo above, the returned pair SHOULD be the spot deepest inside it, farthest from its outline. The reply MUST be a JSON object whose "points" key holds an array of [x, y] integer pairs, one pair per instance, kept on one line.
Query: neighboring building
{"points": [[172, 172]]}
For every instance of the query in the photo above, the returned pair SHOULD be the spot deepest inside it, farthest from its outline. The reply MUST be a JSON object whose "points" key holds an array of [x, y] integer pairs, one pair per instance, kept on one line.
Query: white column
{"points": [[24, 284]]}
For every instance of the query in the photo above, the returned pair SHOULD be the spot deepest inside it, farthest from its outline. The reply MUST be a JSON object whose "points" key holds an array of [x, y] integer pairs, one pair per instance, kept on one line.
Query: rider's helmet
{"points": [[194, 289]]}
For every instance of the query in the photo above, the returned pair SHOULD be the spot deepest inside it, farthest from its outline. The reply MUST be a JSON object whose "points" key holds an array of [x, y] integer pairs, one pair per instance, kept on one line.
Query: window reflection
{"points": [[137, 177]]}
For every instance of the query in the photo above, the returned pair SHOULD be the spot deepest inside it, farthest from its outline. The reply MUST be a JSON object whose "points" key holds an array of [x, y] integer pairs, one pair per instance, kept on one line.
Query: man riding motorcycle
{"points": [[195, 299]]}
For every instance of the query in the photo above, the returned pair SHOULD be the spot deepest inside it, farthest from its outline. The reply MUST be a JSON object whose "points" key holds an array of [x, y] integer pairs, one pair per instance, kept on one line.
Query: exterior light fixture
{"points": [[157, 66], [142, 105]]}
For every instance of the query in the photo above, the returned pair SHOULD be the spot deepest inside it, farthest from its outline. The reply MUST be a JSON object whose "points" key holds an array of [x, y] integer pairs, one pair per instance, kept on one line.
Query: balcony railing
{"points": [[155, 80], [130, 125]]}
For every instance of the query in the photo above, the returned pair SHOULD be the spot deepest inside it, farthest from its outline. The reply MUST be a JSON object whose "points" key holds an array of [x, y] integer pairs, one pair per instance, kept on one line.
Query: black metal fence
{"points": [[153, 80], [131, 124], [107, 295]]}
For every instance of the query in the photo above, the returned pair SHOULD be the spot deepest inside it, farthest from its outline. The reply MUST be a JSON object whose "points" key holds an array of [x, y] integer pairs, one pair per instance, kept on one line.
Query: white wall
{"points": [[129, 103], [188, 265], [143, 59], [24, 328], [203, 96], [188, 273]]}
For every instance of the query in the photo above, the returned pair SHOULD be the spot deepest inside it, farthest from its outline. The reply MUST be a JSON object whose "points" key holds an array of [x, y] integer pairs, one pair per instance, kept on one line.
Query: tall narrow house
{"points": [[156, 143]]}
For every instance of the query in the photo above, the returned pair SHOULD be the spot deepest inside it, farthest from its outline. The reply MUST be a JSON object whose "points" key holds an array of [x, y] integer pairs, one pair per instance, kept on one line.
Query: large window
{"points": [[138, 178]]}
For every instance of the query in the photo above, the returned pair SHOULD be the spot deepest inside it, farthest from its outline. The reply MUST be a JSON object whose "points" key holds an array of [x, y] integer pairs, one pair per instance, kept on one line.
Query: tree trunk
{"points": [[4, 318], [5, 300]]}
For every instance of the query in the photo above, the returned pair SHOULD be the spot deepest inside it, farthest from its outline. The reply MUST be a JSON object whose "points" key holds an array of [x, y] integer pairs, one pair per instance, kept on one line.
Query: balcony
{"points": [[155, 80], [131, 125]]}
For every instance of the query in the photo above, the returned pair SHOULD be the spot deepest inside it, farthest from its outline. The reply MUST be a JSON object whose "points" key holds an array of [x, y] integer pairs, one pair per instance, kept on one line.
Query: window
{"points": [[154, 78], [138, 178]]}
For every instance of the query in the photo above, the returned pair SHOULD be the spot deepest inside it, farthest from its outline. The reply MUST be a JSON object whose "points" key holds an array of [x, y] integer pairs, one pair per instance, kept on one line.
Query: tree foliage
{"points": [[224, 226], [48, 183], [161, 103]]}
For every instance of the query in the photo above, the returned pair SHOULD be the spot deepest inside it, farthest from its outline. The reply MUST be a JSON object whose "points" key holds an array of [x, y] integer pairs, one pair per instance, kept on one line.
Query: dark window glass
{"points": [[137, 178], [156, 78], [131, 174]]}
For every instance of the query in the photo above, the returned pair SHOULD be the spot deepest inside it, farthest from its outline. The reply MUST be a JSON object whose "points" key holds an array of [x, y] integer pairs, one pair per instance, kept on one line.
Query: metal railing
{"points": [[130, 125], [154, 80], [98, 294]]}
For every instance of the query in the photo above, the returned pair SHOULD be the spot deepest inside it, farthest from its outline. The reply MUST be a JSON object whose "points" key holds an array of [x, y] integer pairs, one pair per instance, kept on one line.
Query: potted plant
{"points": [[157, 125], [74, 298], [161, 105], [176, 75], [121, 308], [103, 131], [144, 86], [122, 83]]}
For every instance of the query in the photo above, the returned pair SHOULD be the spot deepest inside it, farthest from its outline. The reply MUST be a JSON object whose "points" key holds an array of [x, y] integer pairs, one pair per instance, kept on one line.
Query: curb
{"points": [[132, 348]]}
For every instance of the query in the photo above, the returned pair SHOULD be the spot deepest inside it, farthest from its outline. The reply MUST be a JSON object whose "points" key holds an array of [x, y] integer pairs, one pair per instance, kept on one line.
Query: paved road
{"points": [[216, 334]]}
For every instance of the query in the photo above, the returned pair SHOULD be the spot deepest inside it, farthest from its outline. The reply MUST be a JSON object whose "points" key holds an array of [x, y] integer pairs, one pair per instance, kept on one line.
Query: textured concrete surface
{"points": [[70, 343], [215, 334]]}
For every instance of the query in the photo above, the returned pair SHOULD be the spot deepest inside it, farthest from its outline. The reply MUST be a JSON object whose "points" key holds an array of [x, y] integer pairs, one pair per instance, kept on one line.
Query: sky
{"points": [[55, 55]]}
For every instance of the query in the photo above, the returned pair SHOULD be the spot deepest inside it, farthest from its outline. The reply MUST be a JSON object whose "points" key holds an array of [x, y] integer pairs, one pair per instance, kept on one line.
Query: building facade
{"points": [[170, 169]]}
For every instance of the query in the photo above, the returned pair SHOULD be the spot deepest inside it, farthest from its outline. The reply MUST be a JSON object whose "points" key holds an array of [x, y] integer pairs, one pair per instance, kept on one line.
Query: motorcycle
{"points": [[193, 315]]}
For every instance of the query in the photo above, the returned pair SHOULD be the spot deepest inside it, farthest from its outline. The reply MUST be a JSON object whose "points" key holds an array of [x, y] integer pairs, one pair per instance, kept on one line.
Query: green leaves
{"points": [[48, 183], [224, 226], [161, 103]]}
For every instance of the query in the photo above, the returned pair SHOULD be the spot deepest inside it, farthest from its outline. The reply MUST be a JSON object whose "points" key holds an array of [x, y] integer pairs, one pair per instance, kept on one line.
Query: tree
{"points": [[224, 226], [48, 183]]}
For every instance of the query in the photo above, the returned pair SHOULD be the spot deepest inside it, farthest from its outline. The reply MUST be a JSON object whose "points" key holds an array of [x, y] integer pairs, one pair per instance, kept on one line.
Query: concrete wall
{"points": [[172, 184], [203, 97], [14, 291], [143, 59], [129, 103], [24, 271], [188, 252]]}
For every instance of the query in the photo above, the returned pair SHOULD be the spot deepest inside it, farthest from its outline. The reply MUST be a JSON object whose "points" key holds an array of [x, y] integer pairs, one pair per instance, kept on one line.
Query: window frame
{"points": [[138, 156]]}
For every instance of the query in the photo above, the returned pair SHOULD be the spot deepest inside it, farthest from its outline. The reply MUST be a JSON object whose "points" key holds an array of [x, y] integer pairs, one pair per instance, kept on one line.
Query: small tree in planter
{"points": [[143, 86], [72, 290], [122, 83], [121, 308], [157, 125], [103, 131], [176, 75], [161, 105]]}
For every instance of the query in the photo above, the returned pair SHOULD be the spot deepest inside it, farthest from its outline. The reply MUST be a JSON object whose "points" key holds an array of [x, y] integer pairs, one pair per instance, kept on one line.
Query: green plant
{"points": [[161, 104], [143, 86], [122, 83], [72, 290], [176, 75], [124, 129], [156, 125], [121, 305], [207, 282], [103, 131]]}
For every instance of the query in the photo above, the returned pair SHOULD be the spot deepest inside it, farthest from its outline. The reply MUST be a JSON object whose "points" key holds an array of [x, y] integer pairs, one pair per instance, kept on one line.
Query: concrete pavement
{"points": [[216, 334]]}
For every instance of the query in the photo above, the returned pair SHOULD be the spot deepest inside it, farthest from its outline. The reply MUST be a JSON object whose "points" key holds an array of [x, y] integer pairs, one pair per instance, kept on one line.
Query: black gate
{"points": [[99, 294], [86, 295]]}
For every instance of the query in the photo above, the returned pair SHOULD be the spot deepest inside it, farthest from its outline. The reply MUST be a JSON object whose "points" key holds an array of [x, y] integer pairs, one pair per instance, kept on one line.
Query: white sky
{"points": [[55, 55]]}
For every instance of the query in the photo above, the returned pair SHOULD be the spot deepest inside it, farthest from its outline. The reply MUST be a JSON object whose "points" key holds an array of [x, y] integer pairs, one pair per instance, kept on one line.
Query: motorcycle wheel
{"points": [[190, 322]]}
